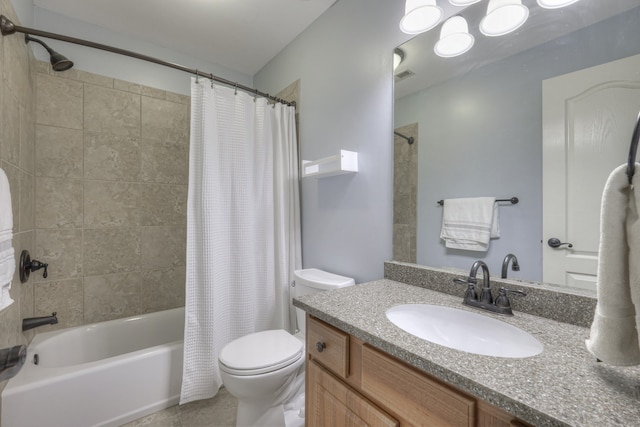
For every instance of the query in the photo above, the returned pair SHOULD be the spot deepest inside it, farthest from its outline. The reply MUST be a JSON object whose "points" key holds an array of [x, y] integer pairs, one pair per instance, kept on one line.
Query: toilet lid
{"points": [[260, 352]]}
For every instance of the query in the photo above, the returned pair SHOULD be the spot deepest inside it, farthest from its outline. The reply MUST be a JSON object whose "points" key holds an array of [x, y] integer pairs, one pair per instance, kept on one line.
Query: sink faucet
{"points": [[505, 265], [502, 305], [485, 292]]}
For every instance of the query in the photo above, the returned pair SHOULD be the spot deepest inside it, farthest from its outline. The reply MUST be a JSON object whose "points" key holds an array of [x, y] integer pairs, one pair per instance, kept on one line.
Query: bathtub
{"points": [[103, 374]]}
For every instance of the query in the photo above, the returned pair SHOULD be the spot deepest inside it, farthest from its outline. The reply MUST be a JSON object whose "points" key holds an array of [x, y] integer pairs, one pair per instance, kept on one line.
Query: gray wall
{"points": [[494, 146], [343, 61]]}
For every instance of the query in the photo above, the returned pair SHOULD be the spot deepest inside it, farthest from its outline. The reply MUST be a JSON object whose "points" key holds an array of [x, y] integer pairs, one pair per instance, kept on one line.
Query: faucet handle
{"points": [[503, 300], [470, 294]]}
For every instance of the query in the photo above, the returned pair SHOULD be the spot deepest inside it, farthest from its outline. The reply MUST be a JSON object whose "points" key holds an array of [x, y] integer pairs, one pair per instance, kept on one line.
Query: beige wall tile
{"points": [[26, 208], [111, 157], [59, 203], [166, 162], [163, 247], [111, 204], [153, 92], [10, 135], [163, 289], [59, 102], [127, 86], [164, 120], [111, 250], [164, 204], [111, 111], [58, 152], [111, 296], [27, 138], [62, 250], [64, 297]]}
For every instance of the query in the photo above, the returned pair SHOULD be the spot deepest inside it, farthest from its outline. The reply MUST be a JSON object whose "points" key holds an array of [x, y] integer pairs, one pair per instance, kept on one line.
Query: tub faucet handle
{"points": [[28, 265]]}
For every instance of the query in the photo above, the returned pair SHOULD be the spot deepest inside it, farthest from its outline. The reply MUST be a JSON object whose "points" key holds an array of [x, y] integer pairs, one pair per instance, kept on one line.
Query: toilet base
{"points": [[256, 415]]}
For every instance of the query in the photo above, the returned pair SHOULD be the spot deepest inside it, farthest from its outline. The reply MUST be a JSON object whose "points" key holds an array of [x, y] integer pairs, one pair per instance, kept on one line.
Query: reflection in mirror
{"points": [[481, 127]]}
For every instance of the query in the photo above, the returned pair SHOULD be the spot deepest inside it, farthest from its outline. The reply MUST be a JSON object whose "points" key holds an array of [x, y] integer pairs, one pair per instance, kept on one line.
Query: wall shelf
{"points": [[338, 164]]}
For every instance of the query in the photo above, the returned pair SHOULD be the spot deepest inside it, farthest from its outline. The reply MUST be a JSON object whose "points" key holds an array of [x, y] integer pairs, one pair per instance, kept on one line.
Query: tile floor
{"points": [[220, 411]]}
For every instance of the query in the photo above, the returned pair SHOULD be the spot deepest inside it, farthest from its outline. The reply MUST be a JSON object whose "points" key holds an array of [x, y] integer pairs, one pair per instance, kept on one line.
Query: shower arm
{"points": [[7, 27]]}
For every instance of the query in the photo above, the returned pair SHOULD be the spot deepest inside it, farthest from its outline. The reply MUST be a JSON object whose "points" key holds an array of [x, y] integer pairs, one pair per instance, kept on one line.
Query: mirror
{"points": [[477, 123]]}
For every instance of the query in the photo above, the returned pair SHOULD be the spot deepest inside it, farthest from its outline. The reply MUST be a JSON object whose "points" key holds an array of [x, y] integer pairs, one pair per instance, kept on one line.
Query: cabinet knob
{"points": [[320, 346]]}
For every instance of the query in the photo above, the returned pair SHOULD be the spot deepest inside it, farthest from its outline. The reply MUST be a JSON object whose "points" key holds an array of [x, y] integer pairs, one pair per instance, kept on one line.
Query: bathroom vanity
{"points": [[348, 379], [363, 369]]}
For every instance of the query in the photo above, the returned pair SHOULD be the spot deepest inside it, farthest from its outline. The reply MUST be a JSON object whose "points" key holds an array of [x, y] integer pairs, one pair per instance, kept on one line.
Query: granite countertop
{"points": [[562, 386]]}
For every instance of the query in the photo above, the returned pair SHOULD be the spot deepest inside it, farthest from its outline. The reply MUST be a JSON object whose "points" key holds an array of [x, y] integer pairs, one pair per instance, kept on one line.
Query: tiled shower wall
{"points": [[405, 194], [17, 160], [110, 196]]}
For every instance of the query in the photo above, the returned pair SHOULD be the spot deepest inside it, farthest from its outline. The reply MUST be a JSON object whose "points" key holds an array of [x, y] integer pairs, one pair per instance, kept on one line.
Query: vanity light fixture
{"points": [[503, 17], [398, 57], [555, 4], [463, 2], [420, 16], [454, 38]]}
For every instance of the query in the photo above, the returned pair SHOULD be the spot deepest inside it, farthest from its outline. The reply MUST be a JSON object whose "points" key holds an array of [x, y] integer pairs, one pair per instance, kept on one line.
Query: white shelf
{"points": [[345, 162]]}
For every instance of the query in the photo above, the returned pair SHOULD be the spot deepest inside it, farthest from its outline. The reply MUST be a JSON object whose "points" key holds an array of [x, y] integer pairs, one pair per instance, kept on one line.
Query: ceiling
{"points": [[243, 35]]}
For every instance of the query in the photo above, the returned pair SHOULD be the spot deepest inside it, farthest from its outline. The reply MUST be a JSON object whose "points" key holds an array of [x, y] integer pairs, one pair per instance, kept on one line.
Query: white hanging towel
{"points": [[7, 262], [615, 327], [470, 223]]}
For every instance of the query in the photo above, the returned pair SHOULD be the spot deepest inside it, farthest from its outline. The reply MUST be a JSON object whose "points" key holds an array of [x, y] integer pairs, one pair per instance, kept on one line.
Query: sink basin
{"points": [[464, 330]]}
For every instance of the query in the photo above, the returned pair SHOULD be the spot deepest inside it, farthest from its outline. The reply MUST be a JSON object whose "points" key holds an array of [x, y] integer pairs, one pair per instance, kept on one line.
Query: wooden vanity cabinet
{"points": [[350, 383]]}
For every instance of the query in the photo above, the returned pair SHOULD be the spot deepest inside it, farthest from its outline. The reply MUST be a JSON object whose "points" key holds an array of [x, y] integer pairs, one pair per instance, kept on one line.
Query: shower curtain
{"points": [[243, 226]]}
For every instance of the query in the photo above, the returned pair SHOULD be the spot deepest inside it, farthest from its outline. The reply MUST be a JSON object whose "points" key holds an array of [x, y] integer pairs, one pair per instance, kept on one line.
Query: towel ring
{"points": [[633, 149]]}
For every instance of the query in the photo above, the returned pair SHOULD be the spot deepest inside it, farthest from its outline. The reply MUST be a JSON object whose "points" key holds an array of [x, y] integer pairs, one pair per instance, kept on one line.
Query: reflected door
{"points": [[588, 119]]}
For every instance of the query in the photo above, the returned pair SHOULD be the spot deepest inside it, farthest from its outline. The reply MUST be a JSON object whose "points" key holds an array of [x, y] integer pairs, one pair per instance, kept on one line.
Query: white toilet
{"points": [[265, 370]]}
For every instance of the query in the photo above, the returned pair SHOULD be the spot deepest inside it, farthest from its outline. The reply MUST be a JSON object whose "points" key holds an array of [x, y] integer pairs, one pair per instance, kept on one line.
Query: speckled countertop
{"points": [[563, 386]]}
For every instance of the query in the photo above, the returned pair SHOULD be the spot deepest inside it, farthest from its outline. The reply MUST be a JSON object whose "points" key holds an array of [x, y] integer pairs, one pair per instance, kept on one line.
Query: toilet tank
{"points": [[311, 281]]}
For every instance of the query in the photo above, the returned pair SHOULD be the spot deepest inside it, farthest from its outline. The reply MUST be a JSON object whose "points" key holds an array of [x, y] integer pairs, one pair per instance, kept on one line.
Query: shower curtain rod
{"points": [[7, 27]]}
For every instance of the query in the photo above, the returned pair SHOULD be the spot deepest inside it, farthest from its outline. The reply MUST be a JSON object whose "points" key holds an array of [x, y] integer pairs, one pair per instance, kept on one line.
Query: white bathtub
{"points": [[104, 374]]}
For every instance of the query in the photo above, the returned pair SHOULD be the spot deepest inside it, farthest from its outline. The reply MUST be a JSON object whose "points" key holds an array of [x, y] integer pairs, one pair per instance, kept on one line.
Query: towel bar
{"points": [[513, 200]]}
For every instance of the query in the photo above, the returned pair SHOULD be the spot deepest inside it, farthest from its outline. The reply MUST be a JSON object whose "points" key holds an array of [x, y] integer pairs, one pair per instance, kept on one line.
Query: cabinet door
{"points": [[413, 397], [332, 403]]}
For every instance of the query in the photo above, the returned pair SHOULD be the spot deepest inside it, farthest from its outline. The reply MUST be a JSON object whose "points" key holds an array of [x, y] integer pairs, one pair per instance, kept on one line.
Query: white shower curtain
{"points": [[243, 226]]}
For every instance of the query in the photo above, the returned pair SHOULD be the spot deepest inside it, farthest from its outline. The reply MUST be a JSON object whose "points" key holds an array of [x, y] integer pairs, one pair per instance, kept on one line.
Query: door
{"points": [[588, 119]]}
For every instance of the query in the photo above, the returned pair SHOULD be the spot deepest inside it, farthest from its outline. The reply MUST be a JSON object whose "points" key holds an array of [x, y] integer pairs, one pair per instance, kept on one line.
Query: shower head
{"points": [[58, 62]]}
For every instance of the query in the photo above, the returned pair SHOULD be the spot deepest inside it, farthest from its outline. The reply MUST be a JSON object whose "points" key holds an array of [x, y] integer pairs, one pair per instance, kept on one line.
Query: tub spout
{"points": [[34, 322]]}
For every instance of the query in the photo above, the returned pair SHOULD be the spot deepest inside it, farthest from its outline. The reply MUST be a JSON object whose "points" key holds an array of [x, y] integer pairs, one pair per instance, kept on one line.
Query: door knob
{"points": [[556, 243]]}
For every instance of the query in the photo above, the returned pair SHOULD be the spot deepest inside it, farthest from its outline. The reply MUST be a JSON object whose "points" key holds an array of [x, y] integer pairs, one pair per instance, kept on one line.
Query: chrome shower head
{"points": [[59, 62]]}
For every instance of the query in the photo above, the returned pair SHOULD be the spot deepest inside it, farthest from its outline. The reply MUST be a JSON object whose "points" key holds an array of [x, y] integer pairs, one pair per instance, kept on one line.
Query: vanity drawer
{"points": [[412, 396], [328, 346]]}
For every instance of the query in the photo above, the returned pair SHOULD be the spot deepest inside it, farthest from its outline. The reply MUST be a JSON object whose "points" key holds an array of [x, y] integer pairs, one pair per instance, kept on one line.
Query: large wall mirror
{"points": [[544, 114]]}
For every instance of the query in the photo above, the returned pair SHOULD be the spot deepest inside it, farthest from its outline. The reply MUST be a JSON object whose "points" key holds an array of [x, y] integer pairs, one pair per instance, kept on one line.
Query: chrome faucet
{"points": [[505, 265], [502, 305]]}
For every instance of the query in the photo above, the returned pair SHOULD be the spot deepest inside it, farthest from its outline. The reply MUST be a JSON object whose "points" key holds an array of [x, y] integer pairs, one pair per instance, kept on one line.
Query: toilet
{"points": [[265, 370]]}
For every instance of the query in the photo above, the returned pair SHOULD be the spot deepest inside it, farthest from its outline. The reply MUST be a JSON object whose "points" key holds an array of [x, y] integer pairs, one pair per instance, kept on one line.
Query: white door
{"points": [[588, 120]]}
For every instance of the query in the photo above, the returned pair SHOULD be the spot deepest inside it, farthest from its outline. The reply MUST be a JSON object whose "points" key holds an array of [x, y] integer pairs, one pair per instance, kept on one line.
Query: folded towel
{"points": [[614, 331], [470, 223], [7, 262]]}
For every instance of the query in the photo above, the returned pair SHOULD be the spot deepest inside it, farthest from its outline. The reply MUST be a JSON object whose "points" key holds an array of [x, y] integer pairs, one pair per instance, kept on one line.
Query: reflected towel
{"points": [[470, 223], [7, 261], [614, 332]]}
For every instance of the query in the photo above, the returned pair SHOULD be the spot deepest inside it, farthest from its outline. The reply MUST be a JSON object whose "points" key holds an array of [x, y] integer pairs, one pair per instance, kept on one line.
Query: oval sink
{"points": [[464, 330]]}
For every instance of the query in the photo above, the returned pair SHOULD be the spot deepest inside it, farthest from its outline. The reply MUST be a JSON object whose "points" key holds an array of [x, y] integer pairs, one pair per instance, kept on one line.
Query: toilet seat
{"points": [[260, 353]]}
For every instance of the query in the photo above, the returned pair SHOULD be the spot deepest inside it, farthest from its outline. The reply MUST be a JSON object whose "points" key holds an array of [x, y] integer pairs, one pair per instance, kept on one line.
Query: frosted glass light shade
{"points": [[503, 17], [463, 2], [420, 16], [454, 38], [555, 4]]}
